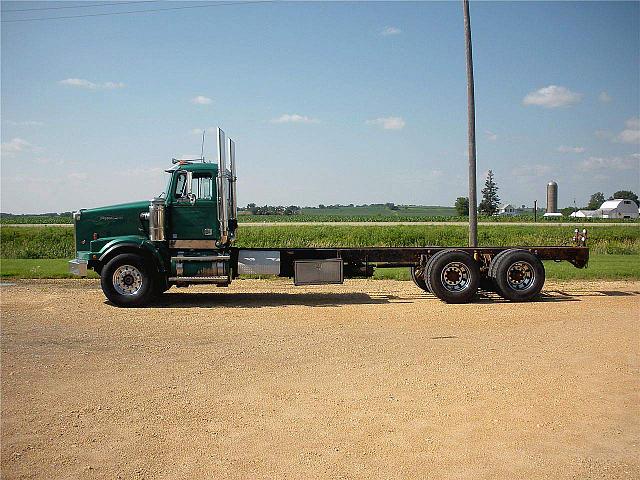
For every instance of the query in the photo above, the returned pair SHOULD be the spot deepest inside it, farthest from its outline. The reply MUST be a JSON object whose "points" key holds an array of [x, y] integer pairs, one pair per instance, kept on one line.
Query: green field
{"points": [[35, 219], [610, 267], [57, 242], [37, 268], [371, 213], [381, 210], [36, 252]]}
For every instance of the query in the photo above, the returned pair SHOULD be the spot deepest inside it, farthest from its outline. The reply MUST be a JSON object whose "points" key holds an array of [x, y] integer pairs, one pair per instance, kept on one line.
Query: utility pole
{"points": [[471, 120]]}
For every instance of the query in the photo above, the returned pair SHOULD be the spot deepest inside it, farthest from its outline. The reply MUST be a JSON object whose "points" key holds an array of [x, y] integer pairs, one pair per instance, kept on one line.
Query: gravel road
{"points": [[371, 379]]}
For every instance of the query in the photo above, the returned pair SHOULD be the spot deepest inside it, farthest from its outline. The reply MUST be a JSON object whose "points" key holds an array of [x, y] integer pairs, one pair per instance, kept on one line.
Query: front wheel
{"points": [[127, 281]]}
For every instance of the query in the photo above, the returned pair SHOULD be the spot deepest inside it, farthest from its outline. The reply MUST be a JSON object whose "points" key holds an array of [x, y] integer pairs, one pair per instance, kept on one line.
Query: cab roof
{"points": [[194, 167]]}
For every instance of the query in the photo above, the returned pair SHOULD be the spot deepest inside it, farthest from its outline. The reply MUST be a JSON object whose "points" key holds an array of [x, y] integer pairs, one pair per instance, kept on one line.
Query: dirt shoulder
{"points": [[371, 379]]}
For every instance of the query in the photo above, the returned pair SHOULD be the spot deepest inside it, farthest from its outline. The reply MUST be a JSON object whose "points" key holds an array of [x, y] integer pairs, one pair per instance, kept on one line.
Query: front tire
{"points": [[127, 280]]}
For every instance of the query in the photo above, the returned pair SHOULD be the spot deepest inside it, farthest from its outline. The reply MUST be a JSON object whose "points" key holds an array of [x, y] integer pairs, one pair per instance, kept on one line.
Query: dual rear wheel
{"points": [[517, 275], [454, 276]]}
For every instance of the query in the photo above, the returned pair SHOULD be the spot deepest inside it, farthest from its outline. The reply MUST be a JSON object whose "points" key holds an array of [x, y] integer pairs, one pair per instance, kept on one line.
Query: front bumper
{"points": [[78, 267]]}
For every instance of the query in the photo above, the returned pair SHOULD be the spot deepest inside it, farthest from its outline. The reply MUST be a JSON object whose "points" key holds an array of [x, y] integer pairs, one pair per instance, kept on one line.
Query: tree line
{"points": [[490, 203], [597, 199], [272, 210]]}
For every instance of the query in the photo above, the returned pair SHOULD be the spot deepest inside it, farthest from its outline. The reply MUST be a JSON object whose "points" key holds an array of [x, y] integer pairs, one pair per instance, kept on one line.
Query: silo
{"points": [[552, 197]]}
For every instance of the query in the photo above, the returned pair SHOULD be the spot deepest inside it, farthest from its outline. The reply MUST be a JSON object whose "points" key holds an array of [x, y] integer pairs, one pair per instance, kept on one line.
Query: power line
{"points": [[76, 6], [137, 11]]}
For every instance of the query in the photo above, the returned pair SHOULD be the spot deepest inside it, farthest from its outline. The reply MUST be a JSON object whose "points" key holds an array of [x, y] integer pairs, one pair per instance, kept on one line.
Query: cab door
{"points": [[193, 214]]}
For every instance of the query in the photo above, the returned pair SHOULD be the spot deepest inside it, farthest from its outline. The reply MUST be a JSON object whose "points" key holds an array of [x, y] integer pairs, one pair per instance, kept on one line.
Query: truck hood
{"points": [[110, 221]]}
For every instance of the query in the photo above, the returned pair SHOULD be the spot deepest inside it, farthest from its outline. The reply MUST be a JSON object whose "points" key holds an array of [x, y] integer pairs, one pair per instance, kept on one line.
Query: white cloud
{"points": [[390, 31], [388, 123], [552, 96], [536, 170], [604, 97], [14, 146], [26, 123], [492, 137], [112, 85], [200, 100], [294, 118], [86, 84], [565, 149], [631, 134], [629, 162]]}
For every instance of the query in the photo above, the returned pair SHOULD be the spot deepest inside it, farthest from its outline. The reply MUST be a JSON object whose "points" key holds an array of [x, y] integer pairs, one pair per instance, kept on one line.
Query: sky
{"points": [[335, 102]]}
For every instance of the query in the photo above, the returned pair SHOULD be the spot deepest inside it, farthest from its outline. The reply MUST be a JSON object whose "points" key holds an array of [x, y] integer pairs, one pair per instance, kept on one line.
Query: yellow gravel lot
{"points": [[371, 379]]}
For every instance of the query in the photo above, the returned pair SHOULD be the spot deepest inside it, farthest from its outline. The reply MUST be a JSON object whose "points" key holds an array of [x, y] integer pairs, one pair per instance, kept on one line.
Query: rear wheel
{"points": [[518, 275], [417, 275], [453, 276], [127, 280]]}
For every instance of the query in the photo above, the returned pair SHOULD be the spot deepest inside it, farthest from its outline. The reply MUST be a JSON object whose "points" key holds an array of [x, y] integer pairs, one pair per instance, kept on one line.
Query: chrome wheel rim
{"points": [[127, 280], [521, 275], [455, 276]]}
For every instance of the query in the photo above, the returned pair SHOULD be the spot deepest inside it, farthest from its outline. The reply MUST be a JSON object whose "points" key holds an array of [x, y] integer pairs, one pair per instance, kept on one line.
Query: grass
{"points": [[57, 242], [400, 216], [606, 240], [601, 267], [382, 211], [344, 214], [37, 268], [35, 219]]}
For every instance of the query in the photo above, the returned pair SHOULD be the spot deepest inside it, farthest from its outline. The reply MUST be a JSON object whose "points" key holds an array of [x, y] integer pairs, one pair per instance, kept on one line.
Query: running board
{"points": [[205, 258], [218, 279]]}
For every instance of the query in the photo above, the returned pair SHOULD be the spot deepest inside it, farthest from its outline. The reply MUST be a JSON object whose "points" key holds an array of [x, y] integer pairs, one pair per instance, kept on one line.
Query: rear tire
{"points": [[417, 275], [127, 280], [453, 276], [518, 275]]}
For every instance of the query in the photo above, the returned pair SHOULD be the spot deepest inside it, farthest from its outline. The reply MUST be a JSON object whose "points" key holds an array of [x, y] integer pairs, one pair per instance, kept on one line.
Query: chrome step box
{"points": [[318, 272], [258, 262]]}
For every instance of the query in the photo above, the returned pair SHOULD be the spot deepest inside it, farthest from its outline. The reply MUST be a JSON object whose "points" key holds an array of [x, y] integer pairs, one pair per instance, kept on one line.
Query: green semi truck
{"points": [[186, 235]]}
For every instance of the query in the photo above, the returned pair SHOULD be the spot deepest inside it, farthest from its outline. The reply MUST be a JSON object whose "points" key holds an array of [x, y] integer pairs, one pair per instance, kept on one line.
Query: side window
{"points": [[201, 186], [181, 186]]}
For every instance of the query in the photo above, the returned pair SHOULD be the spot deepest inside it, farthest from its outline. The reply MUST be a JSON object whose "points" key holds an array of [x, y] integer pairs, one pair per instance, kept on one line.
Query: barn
{"points": [[619, 208]]}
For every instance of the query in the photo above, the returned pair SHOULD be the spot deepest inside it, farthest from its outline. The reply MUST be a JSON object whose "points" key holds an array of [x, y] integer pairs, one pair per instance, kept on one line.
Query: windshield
{"points": [[165, 193]]}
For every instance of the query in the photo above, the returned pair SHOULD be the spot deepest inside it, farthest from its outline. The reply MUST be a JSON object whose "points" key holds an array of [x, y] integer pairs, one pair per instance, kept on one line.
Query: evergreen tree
{"points": [[462, 206], [490, 203]]}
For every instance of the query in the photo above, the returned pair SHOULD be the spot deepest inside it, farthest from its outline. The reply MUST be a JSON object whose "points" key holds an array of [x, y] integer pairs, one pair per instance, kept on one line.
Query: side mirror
{"points": [[191, 197]]}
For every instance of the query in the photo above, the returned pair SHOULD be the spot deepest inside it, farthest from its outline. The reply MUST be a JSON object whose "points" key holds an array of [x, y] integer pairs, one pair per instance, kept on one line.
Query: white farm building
{"points": [[617, 208]]}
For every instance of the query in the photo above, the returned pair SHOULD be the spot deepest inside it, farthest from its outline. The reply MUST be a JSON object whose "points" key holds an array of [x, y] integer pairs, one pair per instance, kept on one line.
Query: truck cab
{"points": [[183, 236]]}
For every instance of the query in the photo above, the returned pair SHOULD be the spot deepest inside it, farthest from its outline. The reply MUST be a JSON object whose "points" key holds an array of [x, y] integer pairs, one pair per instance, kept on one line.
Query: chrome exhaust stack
{"points": [[156, 220], [222, 184], [233, 220]]}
